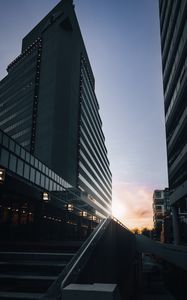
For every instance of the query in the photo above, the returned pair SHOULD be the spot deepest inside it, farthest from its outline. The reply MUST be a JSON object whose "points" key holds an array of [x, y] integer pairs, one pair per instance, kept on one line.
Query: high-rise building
{"points": [[48, 106], [161, 215], [173, 30], [158, 208]]}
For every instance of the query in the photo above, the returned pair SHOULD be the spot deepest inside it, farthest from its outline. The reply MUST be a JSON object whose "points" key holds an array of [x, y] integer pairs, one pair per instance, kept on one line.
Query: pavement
{"points": [[152, 282]]}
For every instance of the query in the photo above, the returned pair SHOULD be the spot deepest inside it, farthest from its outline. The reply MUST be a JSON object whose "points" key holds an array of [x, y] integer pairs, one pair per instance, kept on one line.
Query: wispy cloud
{"points": [[132, 204]]}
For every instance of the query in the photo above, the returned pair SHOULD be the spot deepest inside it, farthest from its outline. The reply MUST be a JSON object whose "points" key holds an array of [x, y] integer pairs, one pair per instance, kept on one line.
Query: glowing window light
{"points": [[2, 175], [70, 207], [84, 214], [45, 196]]}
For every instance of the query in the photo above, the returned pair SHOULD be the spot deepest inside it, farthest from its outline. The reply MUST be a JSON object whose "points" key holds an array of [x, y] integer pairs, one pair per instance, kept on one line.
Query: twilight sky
{"points": [[123, 44]]}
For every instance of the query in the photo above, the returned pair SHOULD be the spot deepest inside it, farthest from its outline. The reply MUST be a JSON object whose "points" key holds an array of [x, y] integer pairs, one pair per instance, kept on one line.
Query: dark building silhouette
{"points": [[173, 28], [49, 107]]}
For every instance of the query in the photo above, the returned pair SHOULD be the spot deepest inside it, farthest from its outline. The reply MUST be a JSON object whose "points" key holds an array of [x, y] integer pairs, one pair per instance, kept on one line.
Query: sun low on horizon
{"points": [[132, 205]]}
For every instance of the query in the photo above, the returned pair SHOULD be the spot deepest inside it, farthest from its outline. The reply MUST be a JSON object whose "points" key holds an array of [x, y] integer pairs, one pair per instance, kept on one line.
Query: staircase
{"points": [[28, 271]]}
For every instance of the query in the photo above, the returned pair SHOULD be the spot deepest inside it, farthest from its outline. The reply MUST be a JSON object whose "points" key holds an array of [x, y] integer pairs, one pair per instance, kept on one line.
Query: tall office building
{"points": [[173, 28], [48, 106]]}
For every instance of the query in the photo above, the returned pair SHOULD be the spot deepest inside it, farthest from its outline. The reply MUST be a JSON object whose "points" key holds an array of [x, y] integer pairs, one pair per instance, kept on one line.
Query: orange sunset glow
{"points": [[132, 205]]}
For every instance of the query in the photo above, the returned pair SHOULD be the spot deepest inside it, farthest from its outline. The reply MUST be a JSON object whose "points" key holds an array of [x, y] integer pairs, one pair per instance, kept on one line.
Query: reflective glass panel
{"points": [[12, 163], [17, 149], [4, 158], [23, 152], [26, 171], [5, 140], [27, 157], [20, 165], [42, 180], [32, 175], [37, 179], [12, 145]]}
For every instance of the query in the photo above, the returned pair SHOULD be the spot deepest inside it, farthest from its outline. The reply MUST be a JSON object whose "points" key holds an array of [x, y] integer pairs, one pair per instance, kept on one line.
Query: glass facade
{"points": [[62, 213], [15, 158], [18, 161], [19, 94], [93, 167], [173, 31]]}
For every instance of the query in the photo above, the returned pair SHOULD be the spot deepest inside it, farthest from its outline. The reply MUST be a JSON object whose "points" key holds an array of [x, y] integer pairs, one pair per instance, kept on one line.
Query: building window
{"points": [[4, 158], [158, 194], [12, 163], [159, 207], [17, 150], [23, 152], [5, 141], [32, 175], [37, 178], [20, 167], [26, 171]]}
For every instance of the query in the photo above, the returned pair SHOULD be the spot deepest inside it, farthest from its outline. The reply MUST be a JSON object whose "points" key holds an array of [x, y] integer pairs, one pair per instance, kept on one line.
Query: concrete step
{"points": [[54, 246], [29, 274], [32, 267], [25, 283], [40, 256], [19, 296]]}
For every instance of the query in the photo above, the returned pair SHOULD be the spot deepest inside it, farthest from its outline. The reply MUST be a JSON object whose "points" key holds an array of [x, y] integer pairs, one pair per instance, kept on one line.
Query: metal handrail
{"points": [[87, 245], [74, 265], [120, 223]]}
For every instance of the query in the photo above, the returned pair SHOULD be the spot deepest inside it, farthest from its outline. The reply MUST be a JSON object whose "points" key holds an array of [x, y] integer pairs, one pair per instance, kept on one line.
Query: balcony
{"points": [[179, 128], [176, 35], [176, 101], [179, 193], [181, 158]]}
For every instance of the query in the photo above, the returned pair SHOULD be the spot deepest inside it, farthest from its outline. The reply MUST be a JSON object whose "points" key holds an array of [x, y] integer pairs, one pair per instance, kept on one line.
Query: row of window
{"points": [[20, 101], [6, 102], [94, 167], [180, 126], [96, 183], [85, 63], [94, 151], [83, 182], [93, 160], [92, 119], [166, 20], [162, 13], [97, 177], [22, 163], [179, 157], [92, 134], [86, 97], [176, 60], [20, 154], [172, 22], [16, 124], [179, 178], [93, 190], [177, 89], [90, 90], [16, 114], [174, 39], [18, 84]]}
